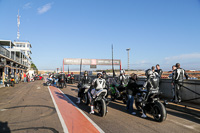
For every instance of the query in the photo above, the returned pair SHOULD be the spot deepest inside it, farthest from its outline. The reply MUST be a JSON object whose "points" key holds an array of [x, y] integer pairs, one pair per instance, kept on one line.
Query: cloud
{"points": [[44, 8], [27, 6], [183, 57]]}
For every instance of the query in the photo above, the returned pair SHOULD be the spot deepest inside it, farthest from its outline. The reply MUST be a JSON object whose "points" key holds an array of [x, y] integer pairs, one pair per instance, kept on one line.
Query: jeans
{"points": [[129, 105], [25, 79]]}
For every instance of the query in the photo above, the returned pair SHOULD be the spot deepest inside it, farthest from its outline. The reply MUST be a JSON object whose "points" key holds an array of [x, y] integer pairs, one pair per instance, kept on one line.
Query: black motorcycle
{"points": [[71, 79], [62, 83], [149, 102], [100, 103], [84, 95]]}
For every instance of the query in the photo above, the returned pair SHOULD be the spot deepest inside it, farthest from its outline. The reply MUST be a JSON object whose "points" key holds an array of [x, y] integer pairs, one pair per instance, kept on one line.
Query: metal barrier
{"points": [[4, 52]]}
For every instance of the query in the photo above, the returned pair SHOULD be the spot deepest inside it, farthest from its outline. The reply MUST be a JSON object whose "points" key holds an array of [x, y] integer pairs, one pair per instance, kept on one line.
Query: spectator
{"points": [[158, 70], [173, 89], [178, 77], [131, 89], [25, 80]]}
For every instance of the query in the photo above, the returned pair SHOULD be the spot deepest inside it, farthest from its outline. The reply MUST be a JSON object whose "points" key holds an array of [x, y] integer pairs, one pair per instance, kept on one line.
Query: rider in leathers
{"points": [[85, 80], [178, 77], [98, 84], [151, 83]]}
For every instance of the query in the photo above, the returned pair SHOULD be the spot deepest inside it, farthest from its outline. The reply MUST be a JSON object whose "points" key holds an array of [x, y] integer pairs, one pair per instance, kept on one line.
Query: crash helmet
{"points": [[99, 74], [72, 73], [148, 72], [104, 72], [122, 71], [86, 72]]}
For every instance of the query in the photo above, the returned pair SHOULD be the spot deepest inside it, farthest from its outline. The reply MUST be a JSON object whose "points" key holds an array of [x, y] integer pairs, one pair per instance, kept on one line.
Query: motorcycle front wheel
{"points": [[159, 112], [102, 108], [85, 99]]}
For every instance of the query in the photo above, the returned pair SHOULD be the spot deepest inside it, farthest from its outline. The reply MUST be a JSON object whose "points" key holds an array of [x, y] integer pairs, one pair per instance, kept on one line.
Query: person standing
{"points": [[20, 76], [25, 77], [158, 70], [178, 77], [173, 88], [132, 89]]}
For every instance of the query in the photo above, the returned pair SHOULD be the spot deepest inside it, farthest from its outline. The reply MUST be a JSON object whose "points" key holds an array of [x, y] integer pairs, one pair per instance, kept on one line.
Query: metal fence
{"points": [[4, 52]]}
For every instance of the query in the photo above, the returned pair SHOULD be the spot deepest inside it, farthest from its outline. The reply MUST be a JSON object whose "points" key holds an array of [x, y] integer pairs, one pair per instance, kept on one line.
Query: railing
{"points": [[4, 52]]}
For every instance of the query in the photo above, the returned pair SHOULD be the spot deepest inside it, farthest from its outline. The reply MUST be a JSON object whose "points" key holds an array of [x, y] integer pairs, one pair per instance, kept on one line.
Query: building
{"points": [[25, 47], [12, 61]]}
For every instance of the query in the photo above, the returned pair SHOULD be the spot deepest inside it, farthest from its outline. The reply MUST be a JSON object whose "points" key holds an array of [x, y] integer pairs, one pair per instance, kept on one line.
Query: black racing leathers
{"points": [[160, 71], [84, 80], [178, 77]]}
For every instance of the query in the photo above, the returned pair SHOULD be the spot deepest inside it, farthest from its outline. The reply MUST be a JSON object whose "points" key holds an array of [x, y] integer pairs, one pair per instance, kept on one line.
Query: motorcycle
{"points": [[149, 102], [84, 95], [100, 103], [118, 92], [71, 80], [62, 83], [49, 81], [10, 82]]}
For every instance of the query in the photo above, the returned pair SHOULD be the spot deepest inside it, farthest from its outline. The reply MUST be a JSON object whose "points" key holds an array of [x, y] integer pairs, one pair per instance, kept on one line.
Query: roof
{"points": [[6, 43]]}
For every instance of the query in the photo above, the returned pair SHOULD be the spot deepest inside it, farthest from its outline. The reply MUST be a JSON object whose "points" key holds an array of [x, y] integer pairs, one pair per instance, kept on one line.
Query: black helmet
{"points": [[104, 72], [86, 72]]}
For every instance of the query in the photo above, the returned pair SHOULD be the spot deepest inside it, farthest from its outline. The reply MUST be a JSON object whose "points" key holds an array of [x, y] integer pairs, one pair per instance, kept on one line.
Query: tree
{"points": [[33, 66]]}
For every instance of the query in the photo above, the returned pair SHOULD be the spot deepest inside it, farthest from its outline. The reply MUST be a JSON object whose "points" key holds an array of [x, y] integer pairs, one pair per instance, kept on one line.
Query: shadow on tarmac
{"points": [[123, 109], [33, 129], [51, 112], [185, 116], [4, 127]]}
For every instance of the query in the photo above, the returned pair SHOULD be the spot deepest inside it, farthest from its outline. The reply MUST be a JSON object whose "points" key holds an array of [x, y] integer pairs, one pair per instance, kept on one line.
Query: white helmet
{"points": [[148, 72], [122, 71]]}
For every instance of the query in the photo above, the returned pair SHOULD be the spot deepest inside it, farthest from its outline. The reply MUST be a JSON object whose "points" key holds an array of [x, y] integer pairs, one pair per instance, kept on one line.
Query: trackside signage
{"points": [[75, 61]]}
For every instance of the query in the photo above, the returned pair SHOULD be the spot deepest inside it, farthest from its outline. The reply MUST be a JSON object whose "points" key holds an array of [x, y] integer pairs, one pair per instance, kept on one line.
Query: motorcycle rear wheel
{"points": [[159, 112]]}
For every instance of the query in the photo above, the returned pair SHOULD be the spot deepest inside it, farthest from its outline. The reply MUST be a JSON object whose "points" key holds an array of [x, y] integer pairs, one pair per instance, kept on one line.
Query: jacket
{"points": [[132, 87]]}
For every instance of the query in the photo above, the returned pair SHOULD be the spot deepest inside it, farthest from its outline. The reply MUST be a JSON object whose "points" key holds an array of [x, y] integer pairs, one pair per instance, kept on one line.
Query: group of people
{"points": [[17, 77], [132, 86]]}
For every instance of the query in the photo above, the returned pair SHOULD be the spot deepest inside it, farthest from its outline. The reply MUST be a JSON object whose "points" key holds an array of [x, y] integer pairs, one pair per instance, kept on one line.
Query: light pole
{"points": [[128, 49]]}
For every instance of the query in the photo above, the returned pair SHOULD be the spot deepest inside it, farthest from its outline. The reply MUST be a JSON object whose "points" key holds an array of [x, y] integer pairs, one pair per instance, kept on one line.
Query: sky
{"points": [[157, 31]]}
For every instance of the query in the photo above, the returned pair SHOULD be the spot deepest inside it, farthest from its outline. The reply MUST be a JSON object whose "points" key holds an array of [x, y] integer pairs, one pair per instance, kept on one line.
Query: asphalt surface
{"points": [[28, 107]]}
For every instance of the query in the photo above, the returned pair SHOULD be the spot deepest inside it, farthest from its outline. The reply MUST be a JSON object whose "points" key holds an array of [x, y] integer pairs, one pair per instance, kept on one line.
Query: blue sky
{"points": [[157, 31]]}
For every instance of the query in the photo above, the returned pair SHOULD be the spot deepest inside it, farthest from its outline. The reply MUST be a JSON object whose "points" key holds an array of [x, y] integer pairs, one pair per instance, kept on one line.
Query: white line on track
{"points": [[93, 123], [59, 114]]}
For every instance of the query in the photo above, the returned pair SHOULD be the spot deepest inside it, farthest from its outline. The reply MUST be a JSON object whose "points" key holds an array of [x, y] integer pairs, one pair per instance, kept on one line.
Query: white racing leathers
{"points": [[98, 83]]}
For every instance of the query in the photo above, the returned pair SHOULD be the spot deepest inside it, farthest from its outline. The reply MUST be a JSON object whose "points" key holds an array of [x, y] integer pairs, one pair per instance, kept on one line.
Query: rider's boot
{"points": [[92, 110], [143, 115], [78, 100]]}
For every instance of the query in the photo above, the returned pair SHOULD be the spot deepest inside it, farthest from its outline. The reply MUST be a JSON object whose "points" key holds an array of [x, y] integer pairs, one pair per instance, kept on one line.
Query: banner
{"points": [[76, 61]]}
